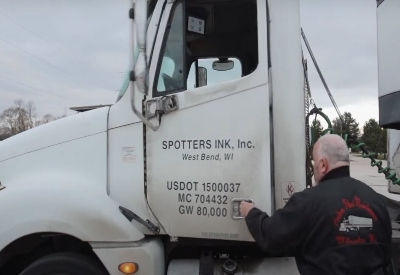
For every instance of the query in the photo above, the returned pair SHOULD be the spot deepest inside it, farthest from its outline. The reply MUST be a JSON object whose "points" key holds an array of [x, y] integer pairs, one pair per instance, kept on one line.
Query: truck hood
{"points": [[54, 133]]}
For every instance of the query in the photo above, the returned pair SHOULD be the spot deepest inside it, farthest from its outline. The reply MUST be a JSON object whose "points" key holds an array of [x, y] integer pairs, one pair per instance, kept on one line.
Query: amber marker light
{"points": [[128, 268]]}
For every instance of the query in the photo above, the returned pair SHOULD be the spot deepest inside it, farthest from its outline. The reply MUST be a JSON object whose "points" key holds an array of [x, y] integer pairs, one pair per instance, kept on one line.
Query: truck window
{"points": [[171, 75], [200, 34]]}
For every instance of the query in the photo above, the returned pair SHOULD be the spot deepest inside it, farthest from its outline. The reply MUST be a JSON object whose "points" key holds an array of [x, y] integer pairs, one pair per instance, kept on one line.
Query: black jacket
{"points": [[341, 226]]}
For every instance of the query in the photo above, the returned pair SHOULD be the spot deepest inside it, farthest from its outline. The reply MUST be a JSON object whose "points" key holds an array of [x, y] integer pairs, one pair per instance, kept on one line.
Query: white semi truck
{"points": [[214, 114]]}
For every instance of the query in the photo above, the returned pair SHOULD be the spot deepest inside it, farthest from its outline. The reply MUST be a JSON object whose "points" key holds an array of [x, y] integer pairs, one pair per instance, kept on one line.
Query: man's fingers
{"points": [[245, 207]]}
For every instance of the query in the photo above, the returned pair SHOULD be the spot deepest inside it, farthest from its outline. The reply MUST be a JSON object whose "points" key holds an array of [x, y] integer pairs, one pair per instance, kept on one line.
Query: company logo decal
{"points": [[354, 222]]}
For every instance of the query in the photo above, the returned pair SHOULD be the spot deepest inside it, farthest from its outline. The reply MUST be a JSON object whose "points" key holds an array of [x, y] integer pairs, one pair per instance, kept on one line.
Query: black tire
{"points": [[64, 264]]}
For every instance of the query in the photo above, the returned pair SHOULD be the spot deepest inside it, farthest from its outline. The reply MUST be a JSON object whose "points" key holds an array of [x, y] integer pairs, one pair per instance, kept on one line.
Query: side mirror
{"points": [[141, 22], [140, 36], [202, 76], [223, 64]]}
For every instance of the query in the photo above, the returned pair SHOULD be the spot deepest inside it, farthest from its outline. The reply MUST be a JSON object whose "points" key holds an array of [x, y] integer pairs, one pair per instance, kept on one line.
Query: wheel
{"points": [[65, 264]]}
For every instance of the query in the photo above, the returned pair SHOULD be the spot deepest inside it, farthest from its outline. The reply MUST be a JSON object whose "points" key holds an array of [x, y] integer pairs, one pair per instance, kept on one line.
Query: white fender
{"points": [[77, 209]]}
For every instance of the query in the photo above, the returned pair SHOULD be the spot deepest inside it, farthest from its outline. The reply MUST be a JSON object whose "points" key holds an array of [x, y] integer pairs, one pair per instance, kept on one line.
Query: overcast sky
{"points": [[342, 34], [64, 53]]}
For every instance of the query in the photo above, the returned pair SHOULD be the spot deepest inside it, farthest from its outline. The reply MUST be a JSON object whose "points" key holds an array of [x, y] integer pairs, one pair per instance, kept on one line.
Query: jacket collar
{"points": [[340, 172]]}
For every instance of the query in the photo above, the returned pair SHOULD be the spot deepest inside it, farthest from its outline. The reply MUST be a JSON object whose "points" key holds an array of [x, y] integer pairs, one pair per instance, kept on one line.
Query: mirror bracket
{"points": [[159, 106]]}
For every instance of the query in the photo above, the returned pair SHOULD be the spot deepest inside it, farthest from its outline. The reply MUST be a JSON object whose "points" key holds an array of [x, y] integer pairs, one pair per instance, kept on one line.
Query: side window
{"points": [[171, 76], [207, 42]]}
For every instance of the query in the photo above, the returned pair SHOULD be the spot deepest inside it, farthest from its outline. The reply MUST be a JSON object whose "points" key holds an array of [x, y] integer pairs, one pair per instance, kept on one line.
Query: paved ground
{"points": [[361, 169]]}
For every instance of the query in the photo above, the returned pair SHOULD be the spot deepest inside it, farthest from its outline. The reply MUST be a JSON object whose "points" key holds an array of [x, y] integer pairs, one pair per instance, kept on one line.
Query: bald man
{"points": [[340, 226]]}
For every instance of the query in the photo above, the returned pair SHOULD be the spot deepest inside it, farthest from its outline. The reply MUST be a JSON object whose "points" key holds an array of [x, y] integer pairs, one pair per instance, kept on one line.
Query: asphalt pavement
{"points": [[361, 169]]}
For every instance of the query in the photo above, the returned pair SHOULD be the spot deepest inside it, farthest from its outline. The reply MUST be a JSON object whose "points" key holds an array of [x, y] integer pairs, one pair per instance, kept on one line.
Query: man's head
{"points": [[329, 152]]}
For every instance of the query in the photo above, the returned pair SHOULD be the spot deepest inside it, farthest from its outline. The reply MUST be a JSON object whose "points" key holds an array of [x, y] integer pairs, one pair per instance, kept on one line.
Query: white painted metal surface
{"points": [[59, 183], [388, 28], [75, 208], [287, 100], [213, 149], [194, 173], [59, 131]]}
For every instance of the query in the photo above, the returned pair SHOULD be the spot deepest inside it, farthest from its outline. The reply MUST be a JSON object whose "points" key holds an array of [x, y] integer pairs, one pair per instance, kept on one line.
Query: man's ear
{"points": [[324, 169]]}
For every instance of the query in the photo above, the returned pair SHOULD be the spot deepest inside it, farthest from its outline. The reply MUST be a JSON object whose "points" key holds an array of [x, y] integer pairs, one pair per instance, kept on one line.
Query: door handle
{"points": [[236, 207]]}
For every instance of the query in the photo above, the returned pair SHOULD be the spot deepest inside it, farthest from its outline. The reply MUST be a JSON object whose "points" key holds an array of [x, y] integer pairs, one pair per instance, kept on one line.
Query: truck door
{"points": [[213, 149]]}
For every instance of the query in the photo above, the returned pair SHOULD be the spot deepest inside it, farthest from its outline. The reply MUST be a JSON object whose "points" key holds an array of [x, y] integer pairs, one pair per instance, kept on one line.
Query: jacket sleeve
{"points": [[285, 230]]}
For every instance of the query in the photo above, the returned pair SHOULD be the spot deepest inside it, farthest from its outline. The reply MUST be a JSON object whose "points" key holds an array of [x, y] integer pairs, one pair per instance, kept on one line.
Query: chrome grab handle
{"points": [[236, 207]]}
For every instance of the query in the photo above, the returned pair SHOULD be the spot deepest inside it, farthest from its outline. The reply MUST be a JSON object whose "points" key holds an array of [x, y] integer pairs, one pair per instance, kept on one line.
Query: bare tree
{"points": [[21, 117], [45, 119], [3, 133], [18, 118]]}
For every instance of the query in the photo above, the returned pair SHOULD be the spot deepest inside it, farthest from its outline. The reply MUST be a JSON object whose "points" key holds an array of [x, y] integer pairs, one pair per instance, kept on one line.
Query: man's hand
{"points": [[245, 208]]}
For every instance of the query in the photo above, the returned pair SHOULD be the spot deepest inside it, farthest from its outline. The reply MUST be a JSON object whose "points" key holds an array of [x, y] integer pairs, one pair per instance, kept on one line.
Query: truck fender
{"points": [[80, 210]]}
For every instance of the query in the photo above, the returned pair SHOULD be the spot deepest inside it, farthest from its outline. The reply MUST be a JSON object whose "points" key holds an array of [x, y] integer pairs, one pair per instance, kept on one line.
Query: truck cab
{"points": [[213, 115]]}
